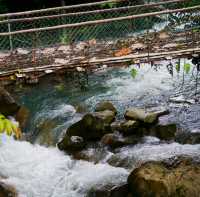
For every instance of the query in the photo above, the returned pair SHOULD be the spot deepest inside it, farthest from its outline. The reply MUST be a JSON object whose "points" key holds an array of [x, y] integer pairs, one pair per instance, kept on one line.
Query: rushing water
{"points": [[39, 171]]}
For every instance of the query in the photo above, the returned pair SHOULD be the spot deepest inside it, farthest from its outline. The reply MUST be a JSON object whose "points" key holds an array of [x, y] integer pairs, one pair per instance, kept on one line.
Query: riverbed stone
{"points": [[115, 140], [105, 105], [164, 180], [116, 125], [109, 191], [129, 127], [8, 105], [107, 116], [164, 129], [92, 126], [188, 137], [73, 143], [7, 190], [149, 116], [140, 115]]}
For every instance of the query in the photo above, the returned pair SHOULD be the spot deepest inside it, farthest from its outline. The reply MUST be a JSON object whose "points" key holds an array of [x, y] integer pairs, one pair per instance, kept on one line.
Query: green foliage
{"points": [[133, 73], [108, 5], [187, 68], [60, 87], [6, 126], [64, 39]]}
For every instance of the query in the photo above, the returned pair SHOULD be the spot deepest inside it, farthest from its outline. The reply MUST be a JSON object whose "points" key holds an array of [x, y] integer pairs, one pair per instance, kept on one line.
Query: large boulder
{"points": [[105, 105], [7, 190], [8, 105], [92, 126], [161, 179], [70, 144]]}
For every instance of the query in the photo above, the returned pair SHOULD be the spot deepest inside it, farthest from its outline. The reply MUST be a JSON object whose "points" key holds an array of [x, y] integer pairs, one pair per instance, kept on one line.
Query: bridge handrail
{"points": [[88, 23]]}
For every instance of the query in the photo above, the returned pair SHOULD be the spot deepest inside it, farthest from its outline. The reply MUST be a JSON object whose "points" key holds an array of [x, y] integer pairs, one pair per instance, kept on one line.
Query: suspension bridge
{"points": [[97, 35]]}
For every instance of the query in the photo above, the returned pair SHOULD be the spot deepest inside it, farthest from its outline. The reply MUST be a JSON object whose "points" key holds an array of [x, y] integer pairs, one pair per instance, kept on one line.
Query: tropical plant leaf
{"points": [[8, 127], [187, 67], [133, 72]]}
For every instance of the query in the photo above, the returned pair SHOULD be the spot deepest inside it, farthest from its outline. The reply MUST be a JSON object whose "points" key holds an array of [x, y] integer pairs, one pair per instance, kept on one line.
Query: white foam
{"points": [[151, 152], [37, 171]]}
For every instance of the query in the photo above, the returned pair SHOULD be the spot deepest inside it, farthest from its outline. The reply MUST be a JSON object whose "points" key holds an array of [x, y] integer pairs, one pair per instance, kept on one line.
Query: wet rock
{"points": [[129, 127], [45, 133], [109, 191], [116, 126], [73, 143], [92, 126], [8, 105], [147, 116], [94, 154], [81, 108], [22, 116], [112, 140], [7, 190], [161, 179], [164, 129], [188, 137], [107, 116], [105, 105], [115, 140], [141, 115]]}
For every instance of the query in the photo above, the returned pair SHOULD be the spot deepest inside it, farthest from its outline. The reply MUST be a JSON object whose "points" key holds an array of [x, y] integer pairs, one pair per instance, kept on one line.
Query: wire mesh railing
{"points": [[98, 30], [77, 14]]}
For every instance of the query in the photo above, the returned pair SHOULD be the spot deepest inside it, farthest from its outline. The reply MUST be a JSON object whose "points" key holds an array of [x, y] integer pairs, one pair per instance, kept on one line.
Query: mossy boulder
{"points": [[164, 180], [105, 105], [92, 126], [8, 105]]}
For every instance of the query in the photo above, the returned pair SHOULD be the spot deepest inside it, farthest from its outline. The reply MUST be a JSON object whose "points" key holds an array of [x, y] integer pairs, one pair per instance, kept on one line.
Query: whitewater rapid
{"points": [[37, 171]]}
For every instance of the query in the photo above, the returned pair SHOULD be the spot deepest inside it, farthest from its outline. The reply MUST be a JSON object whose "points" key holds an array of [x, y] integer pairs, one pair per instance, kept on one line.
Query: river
{"points": [[41, 170]]}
